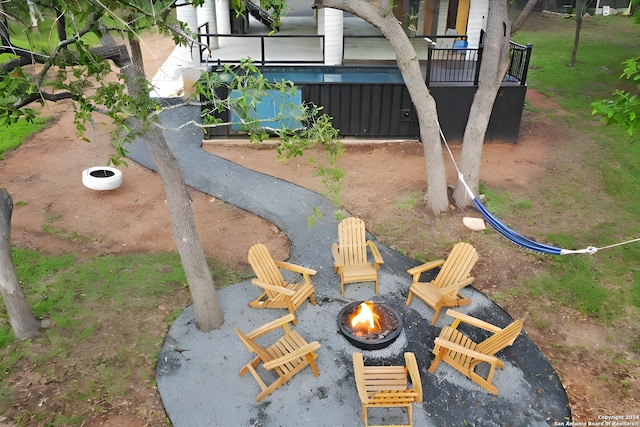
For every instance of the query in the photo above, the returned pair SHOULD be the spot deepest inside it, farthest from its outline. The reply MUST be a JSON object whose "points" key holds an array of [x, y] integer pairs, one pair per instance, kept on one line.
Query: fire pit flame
{"points": [[365, 321], [369, 325]]}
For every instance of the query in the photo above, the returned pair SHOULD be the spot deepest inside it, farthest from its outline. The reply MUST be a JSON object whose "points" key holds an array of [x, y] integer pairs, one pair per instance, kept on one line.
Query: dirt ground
{"points": [[44, 177]]}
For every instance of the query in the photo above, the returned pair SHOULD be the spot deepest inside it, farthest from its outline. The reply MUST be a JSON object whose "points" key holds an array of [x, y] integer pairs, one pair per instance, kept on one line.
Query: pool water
{"points": [[334, 75]]}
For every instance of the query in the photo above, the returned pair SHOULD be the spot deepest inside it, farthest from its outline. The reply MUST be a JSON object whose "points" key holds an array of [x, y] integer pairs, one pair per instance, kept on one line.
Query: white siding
{"points": [[477, 16], [477, 19], [442, 17]]}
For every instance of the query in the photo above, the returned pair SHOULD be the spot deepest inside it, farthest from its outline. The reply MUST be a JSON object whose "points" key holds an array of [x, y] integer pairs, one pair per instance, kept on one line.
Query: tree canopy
{"points": [[72, 54]]}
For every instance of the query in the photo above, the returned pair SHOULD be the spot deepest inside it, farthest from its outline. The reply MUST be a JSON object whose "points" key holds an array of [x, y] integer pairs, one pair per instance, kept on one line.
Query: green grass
{"points": [[13, 136], [41, 40], [605, 285], [409, 201], [501, 202], [85, 301], [605, 42], [574, 282]]}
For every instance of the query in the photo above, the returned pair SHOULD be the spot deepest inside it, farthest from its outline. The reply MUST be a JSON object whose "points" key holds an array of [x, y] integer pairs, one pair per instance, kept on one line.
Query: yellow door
{"points": [[462, 17]]}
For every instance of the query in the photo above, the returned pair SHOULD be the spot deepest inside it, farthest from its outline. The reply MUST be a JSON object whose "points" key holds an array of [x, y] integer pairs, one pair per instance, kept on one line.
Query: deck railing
{"points": [[452, 65], [519, 62], [263, 48], [462, 65], [446, 59]]}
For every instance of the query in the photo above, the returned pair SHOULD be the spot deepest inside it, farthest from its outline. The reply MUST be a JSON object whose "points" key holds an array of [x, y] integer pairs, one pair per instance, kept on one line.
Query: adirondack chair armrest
{"points": [[358, 370], [417, 271], [492, 360], [456, 286], [305, 271], [273, 288], [274, 324], [414, 374], [461, 317], [375, 252], [300, 352], [337, 258]]}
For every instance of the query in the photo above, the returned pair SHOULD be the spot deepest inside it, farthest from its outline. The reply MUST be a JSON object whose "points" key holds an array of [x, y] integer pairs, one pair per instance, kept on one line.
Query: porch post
{"points": [[330, 23], [187, 13], [223, 16]]}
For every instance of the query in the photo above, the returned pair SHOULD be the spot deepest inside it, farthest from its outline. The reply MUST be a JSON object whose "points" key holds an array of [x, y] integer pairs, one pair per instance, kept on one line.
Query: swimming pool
{"points": [[373, 75]]}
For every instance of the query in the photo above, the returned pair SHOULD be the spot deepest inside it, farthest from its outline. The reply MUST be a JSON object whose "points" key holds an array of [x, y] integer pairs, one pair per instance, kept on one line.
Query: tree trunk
{"points": [[205, 300], [23, 322], [381, 16], [495, 60], [576, 40], [524, 14], [207, 308], [136, 53]]}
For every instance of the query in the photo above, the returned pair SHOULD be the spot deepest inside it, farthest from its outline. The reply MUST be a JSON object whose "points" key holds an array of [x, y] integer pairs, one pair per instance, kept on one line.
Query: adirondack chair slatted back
{"points": [[287, 344], [386, 379], [352, 241], [388, 386], [265, 267], [453, 335], [286, 357], [501, 339], [457, 266], [463, 354]]}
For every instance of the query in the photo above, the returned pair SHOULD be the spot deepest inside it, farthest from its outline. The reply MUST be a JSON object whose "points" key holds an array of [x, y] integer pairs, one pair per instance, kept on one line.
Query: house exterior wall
{"points": [[477, 19], [443, 7], [385, 110], [478, 11]]}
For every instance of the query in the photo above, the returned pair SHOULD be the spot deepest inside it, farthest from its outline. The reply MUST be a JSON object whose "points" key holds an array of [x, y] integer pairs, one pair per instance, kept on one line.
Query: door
{"points": [[462, 17], [458, 15]]}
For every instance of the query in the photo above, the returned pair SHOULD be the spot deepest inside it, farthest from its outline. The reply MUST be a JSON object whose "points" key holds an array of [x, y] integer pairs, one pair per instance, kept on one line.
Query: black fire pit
{"points": [[389, 320]]}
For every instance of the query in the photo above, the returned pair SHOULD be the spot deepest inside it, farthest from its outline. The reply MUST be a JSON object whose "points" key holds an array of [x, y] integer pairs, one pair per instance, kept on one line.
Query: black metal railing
{"points": [[447, 59], [278, 54], [519, 62], [449, 65]]}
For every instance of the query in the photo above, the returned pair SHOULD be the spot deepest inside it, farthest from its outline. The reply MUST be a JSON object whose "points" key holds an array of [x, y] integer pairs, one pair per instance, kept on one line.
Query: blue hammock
{"points": [[514, 237], [517, 238]]}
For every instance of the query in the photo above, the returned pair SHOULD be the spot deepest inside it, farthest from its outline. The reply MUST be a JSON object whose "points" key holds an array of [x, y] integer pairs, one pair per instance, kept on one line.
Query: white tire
{"points": [[102, 178]]}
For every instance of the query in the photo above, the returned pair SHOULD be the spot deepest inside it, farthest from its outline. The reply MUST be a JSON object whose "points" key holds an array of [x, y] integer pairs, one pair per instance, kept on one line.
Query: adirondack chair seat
{"points": [[388, 386], [443, 291], [276, 292], [468, 357], [286, 357], [359, 273], [350, 254]]}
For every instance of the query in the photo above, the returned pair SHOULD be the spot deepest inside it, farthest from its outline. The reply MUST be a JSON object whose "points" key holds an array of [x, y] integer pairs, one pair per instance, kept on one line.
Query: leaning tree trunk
{"points": [[23, 322], [205, 300], [380, 15], [495, 59], [208, 312], [522, 17]]}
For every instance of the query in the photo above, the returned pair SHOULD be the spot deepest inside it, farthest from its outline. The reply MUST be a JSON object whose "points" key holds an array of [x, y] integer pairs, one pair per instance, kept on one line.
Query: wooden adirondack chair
{"points": [[350, 254], [453, 276], [277, 293], [465, 355], [387, 386], [286, 357]]}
